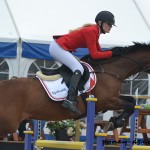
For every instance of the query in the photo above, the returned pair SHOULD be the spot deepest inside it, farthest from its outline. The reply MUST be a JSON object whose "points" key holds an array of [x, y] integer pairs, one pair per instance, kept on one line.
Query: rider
{"points": [[84, 37]]}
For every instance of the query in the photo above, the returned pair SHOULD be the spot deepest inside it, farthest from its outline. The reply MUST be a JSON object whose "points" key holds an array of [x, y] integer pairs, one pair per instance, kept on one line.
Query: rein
{"points": [[142, 66], [102, 70]]}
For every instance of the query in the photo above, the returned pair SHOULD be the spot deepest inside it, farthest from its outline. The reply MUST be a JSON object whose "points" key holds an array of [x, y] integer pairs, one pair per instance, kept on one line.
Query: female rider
{"points": [[84, 37]]}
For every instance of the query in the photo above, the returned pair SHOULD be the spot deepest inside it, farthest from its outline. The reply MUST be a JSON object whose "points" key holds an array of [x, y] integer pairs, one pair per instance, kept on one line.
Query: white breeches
{"points": [[64, 57]]}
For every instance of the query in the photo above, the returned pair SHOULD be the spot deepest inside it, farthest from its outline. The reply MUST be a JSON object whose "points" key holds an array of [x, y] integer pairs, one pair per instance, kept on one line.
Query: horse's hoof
{"points": [[108, 127]]}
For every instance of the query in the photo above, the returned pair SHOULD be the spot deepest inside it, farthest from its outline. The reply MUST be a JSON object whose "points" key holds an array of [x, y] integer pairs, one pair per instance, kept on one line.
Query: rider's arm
{"points": [[94, 47], [99, 54]]}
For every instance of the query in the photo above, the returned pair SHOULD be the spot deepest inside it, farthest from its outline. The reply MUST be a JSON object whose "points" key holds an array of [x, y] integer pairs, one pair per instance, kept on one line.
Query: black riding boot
{"points": [[71, 101]]}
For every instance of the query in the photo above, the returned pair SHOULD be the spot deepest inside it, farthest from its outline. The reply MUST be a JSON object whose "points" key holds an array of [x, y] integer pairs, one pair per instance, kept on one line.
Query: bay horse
{"points": [[25, 98]]}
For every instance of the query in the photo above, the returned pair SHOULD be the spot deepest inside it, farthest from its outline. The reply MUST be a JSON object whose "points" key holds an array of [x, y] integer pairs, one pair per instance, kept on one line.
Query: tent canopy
{"points": [[8, 34], [37, 21]]}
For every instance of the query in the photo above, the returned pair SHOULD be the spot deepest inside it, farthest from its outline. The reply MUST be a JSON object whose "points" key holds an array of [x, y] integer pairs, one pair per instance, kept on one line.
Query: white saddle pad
{"points": [[58, 91]]}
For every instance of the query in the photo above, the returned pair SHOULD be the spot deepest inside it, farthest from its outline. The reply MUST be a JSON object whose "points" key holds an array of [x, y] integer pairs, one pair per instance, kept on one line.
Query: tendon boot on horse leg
{"points": [[116, 122], [71, 101]]}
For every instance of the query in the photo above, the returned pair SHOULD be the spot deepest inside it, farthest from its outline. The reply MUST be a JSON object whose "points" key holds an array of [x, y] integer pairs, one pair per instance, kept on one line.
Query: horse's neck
{"points": [[122, 67], [132, 64]]}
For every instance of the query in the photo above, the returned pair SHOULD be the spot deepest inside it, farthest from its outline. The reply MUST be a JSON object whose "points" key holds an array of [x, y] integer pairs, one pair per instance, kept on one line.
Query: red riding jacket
{"points": [[86, 37]]}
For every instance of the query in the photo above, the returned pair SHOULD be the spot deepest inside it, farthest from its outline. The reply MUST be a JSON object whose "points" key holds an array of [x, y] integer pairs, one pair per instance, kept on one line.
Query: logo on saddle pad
{"points": [[58, 90]]}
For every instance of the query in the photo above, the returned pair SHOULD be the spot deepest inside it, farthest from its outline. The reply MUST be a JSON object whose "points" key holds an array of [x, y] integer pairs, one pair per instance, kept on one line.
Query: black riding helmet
{"points": [[105, 16]]}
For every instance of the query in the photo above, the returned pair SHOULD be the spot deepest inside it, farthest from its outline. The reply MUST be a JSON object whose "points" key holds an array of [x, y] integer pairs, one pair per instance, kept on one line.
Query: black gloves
{"points": [[118, 51]]}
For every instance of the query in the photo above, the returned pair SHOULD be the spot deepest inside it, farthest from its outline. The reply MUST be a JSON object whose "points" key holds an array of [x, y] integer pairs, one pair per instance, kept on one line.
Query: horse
{"points": [[25, 98]]}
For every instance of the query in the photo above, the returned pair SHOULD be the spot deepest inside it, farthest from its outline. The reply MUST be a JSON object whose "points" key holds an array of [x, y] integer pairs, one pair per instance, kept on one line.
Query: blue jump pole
{"points": [[123, 142], [134, 127], [90, 122], [90, 125], [37, 132], [100, 140], [28, 139]]}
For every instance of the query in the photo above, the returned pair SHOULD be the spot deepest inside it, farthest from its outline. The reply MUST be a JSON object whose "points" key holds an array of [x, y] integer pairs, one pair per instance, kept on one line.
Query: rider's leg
{"points": [[71, 101], [66, 58]]}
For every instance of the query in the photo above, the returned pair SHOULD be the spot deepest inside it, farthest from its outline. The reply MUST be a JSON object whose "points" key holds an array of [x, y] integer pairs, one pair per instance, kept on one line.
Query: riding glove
{"points": [[117, 51]]}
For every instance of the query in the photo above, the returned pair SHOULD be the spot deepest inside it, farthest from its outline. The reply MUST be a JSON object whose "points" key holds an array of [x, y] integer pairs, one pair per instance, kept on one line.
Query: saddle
{"points": [[56, 81], [66, 74]]}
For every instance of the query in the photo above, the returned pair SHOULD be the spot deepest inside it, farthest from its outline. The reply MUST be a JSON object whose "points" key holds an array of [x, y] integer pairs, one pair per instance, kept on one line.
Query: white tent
{"points": [[38, 20], [8, 42], [143, 8], [8, 34], [35, 21]]}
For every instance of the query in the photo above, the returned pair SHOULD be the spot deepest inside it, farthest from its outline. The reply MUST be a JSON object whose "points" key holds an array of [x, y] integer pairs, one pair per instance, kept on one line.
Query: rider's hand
{"points": [[117, 51]]}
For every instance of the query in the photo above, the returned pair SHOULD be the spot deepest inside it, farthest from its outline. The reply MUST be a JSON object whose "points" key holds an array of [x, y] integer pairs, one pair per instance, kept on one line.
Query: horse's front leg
{"points": [[127, 104]]}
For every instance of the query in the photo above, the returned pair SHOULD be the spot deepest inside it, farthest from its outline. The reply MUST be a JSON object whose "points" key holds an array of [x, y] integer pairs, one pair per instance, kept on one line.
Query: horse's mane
{"points": [[138, 45], [128, 49]]}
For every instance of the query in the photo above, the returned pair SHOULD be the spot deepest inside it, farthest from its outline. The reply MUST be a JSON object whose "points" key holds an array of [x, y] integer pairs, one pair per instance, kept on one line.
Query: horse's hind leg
{"points": [[119, 121], [130, 100]]}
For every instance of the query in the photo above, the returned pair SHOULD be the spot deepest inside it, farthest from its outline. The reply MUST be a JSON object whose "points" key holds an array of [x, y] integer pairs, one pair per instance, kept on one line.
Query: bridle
{"points": [[102, 70]]}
